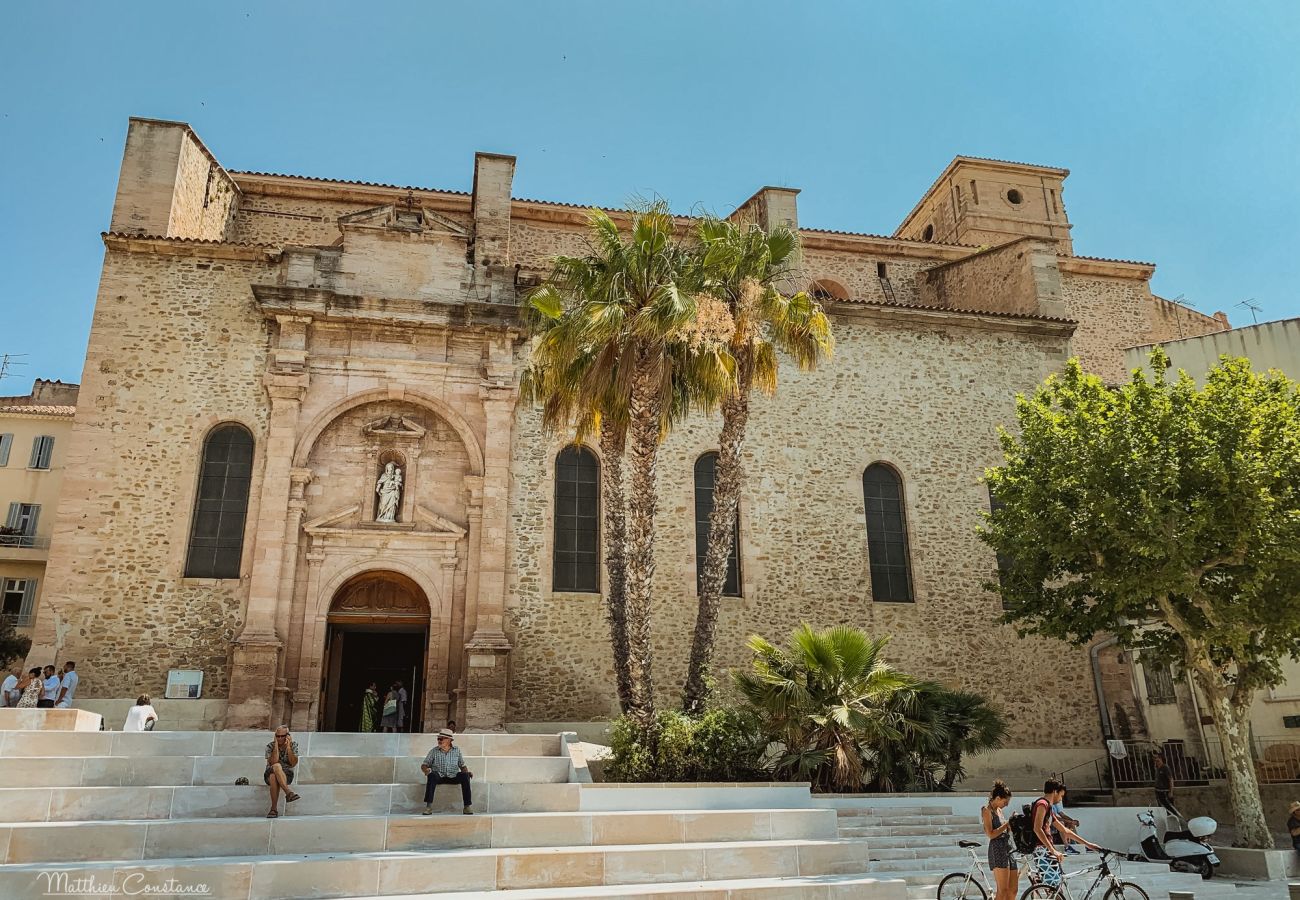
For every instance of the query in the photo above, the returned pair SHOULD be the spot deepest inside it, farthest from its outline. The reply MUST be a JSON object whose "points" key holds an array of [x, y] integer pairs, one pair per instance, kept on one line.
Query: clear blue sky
{"points": [[1178, 119]]}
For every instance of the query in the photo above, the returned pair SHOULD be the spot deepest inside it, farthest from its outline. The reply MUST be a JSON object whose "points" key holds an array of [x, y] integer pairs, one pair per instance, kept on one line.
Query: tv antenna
{"points": [[7, 362], [1254, 308], [1182, 301]]}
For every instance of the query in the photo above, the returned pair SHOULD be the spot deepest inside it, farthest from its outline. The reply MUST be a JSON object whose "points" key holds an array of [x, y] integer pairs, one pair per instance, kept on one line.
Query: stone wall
{"points": [[858, 274], [204, 197], [1020, 277], [1168, 321]]}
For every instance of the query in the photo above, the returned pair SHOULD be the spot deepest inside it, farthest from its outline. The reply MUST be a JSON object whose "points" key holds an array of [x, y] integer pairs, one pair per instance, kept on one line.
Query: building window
{"points": [[217, 529], [576, 558], [42, 451], [18, 597], [928, 234], [1014, 198], [891, 567], [20, 525], [826, 291], [6, 441], [975, 193], [706, 468], [1160, 683]]}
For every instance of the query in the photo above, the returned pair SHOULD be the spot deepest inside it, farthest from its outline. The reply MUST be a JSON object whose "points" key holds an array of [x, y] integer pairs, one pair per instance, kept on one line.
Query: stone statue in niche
{"points": [[389, 489]]}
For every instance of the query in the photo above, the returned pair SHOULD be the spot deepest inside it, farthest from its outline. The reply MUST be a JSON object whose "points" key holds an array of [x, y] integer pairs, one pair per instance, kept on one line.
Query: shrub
{"points": [[723, 744]]}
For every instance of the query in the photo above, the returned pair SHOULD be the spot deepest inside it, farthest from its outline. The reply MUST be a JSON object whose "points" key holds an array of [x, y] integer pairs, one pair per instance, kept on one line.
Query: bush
{"points": [[721, 745]]}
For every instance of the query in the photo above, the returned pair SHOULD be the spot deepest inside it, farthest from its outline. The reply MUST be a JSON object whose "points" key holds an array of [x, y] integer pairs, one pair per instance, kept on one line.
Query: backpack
{"points": [[1022, 829]]}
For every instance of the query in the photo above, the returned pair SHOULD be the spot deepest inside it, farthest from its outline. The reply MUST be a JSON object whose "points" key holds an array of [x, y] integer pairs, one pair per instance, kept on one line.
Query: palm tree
{"points": [[612, 353], [826, 699], [972, 725], [742, 271]]}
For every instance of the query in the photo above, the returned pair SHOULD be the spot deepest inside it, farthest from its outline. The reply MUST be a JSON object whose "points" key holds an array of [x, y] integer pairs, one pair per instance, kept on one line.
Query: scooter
{"points": [[1186, 850]]}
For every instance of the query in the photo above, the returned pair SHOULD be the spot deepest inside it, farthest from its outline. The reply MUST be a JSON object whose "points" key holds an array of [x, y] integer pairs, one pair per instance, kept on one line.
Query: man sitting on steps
{"points": [[446, 765]]}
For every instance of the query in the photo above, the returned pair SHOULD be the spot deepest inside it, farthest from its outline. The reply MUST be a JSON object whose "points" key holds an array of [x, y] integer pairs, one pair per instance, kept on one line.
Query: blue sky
{"points": [[1178, 120]]}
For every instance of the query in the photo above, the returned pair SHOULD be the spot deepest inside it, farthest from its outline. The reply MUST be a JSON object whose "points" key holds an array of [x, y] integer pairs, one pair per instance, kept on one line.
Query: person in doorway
{"points": [[9, 693], [401, 706], [388, 723], [67, 686], [1047, 859], [142, 716], [30, 690], [281, 759], [50, 689], [451, 725], [369, 708], [1164, 784], [444, 764], [997, 828], [1293, 824]]}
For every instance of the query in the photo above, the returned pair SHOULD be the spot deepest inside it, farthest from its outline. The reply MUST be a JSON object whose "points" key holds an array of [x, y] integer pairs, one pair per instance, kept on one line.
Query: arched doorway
{"points": [[378, 630]]}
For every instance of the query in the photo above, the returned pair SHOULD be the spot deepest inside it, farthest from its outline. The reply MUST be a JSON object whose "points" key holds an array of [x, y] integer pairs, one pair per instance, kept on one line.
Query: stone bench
{"points": [[12, 719]]}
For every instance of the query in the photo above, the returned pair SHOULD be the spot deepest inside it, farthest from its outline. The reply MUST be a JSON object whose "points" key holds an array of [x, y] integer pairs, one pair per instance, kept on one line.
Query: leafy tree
{"points": [[1168, 515], [824, 699], [13, 646], [971, 726], [747, 311], [611, 351]]}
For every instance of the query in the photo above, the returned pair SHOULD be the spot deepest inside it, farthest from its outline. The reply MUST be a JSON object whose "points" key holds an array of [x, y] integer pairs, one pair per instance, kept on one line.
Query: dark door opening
{"points": [[379, 653]]}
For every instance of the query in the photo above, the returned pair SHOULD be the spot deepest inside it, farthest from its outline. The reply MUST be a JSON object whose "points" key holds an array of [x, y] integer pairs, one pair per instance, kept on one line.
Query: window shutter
{"points": [[12, 520], [35, 514], [6, 441], [47, 451], [42, 450], [29, 599]]}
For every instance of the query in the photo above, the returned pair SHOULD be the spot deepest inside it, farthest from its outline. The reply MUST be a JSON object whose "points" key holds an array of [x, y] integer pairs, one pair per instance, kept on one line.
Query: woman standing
{"points": [[997, 827], [370, 708], [32, 687], [388, 723]]}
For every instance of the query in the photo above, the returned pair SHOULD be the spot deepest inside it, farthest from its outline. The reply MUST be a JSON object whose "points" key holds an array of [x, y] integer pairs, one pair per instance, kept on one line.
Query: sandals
{"points": [[290, 797], [273, 814]]}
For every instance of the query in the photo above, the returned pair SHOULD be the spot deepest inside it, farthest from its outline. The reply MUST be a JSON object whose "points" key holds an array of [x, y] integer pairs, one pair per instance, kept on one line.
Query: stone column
{"points": [[298, 480], [255, 656], [306, 693], [488, 649]]}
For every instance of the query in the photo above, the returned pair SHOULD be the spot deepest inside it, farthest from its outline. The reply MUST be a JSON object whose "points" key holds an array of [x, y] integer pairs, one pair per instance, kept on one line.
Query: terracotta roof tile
{"points": [[39, 410], [1131, 262], [975, 312], [888, 237], [185, 240], [378, 184]]}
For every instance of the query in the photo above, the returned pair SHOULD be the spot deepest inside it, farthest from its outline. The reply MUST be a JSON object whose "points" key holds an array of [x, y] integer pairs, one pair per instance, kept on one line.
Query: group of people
{"points": [[444, 764], [1053, 837], [46, 688], [388, 716]]}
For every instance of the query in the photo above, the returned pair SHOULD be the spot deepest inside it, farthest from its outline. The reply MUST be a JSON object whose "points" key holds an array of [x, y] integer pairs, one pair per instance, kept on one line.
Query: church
{"points": [[300, 464]]}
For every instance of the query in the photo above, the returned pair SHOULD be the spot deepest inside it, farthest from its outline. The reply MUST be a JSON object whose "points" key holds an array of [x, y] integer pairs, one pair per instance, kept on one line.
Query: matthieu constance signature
{"points": [[66, 884]]}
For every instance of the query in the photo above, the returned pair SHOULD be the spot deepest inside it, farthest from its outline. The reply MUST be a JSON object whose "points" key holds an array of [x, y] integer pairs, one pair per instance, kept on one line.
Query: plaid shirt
{"points": [[445, 763]]}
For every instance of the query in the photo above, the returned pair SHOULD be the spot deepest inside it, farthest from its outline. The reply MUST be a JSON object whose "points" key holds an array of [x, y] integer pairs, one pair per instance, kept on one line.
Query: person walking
{"points": [[444, 764], [1047, 859], [142, 716], [369, 708], [281, 758], [30, 690], [401, 706], [67, 686], [49, 689], [9, 693], [997, 828], [1164, 784], [388, 723]]}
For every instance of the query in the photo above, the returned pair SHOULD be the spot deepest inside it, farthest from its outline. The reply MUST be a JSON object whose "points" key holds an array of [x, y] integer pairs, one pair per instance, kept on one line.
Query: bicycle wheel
{"points": [[1043, 892], [1125, 890], [961, 886]]}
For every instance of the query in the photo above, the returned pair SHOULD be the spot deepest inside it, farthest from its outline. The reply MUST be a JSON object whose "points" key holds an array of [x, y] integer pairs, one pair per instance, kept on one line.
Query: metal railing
{"points": [[1200, 761], [24, 541], [18, 620]]}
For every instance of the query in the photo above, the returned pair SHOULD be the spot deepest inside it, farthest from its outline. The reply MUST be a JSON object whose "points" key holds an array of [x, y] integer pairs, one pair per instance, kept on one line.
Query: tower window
{"points": [[826, 291], [882, 270], [928, 234], [1014, 197]]}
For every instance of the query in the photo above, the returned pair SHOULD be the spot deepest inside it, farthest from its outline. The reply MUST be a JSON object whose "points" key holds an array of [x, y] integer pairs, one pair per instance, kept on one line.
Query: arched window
{"points": [[705, 472], [826, 291], [576, 557], [891, 565], [217, 528]]}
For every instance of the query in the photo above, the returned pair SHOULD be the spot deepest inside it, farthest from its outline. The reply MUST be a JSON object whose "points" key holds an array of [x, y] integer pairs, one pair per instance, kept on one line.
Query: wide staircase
{"points": [[83, 812], [919, 844]]}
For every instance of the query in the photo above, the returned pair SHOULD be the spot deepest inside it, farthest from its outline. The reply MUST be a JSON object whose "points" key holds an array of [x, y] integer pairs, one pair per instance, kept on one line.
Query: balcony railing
{"points": [[18, 620], [24, 541]]}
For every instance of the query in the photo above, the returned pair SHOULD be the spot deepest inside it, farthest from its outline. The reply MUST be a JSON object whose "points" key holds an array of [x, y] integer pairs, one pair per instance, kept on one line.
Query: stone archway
{"points": [[378, 630]]}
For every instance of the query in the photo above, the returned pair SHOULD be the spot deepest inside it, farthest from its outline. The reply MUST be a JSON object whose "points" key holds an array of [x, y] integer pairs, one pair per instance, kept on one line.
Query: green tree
{"points": [[13, 646], [971, 725], [1168, 515], [612, 352], [825, 699], [744, 274]]}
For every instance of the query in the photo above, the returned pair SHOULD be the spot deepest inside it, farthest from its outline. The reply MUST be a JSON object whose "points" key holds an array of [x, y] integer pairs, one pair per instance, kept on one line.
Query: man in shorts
{"points": [[1045, 865]]}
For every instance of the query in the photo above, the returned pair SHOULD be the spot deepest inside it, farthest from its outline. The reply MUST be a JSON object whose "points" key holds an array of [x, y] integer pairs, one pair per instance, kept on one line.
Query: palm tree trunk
{"points": [[644, 409], [612, 498], [722, 528]]}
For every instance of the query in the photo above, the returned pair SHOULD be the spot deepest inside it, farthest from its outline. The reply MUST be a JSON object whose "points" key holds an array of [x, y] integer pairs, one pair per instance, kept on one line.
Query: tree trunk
{"points": [[1233, 724], [612, 497], [728, 476], [642, 452]]}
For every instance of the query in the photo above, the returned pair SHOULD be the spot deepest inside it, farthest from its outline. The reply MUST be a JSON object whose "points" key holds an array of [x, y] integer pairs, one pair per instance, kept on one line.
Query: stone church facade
{"points": [[265, 346]]}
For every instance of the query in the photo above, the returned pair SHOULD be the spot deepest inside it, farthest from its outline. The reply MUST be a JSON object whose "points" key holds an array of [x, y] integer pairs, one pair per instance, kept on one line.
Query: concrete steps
{"points": [[814, 887]]}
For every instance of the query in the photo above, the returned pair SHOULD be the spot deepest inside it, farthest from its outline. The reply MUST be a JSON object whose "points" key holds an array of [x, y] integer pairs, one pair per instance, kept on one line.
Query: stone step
{"points": [[913, 841], [59, 842], [1156, 879], [163, 771], [962, 829], [813, 887], [253, 743], [895, 821], [312, 876], [99, 804], [893, 810]]}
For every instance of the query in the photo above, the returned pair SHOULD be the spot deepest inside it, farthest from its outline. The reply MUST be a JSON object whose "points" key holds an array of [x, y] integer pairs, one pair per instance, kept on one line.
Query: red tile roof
{"points": [[378, 184], [39, 410], [973, 312]]}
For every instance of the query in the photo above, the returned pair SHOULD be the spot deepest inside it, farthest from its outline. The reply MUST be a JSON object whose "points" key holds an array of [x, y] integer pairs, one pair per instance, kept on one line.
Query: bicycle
{"points": [[962, 885], [1118, 890]]}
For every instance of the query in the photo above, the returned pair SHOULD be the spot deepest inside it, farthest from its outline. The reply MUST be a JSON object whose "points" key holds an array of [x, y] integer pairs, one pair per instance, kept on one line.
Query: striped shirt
{"points": [[445, 763]]}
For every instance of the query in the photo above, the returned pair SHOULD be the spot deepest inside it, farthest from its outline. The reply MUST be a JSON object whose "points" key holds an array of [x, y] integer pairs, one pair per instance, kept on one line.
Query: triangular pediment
{"points": [[437, 522], [346, 520], [332, 520], [405, 216], [395, 426]]}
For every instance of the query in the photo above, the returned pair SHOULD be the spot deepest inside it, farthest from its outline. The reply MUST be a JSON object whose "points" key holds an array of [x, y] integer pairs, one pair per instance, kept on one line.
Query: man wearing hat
{"points": [[1293, 824], [445, 765]]}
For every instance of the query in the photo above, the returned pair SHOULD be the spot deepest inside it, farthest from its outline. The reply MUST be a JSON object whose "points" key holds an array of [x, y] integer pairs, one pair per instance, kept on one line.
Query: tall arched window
{"points": [[705, 471], [891, 565], [217, 528], [576, 557]]}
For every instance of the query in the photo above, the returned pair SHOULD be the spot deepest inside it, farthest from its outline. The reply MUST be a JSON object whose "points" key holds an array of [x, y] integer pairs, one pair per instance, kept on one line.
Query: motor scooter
{"points": [[1185, 849]]}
